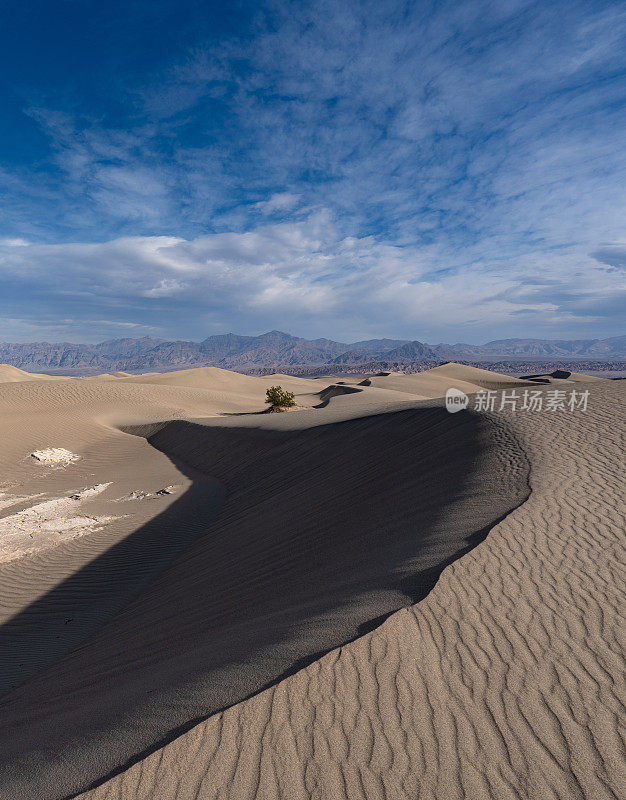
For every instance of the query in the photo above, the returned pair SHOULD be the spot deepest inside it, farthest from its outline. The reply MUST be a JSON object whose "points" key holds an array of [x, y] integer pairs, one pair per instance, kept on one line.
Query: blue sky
{"points": [[443, 171]]}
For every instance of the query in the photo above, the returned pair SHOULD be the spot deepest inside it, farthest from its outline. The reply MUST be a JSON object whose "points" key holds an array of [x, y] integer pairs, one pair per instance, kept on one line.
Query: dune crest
{"points": [[506, 682], [177, 651], [11, 374]]}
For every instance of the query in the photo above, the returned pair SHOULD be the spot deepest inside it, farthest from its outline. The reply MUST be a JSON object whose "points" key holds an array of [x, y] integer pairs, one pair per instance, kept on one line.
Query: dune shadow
{"points": [[66, 615], [336, 390], [323, 532]]}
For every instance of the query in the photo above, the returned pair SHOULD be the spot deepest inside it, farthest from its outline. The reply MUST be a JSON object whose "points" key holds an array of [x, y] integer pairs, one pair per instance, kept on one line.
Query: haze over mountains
{"points": [[276, 348]]}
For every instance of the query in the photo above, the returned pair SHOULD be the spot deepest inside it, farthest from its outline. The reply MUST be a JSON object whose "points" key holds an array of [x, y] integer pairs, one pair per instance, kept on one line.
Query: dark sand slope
{"points": [[65, 616], [507, 682], [325, 528]]}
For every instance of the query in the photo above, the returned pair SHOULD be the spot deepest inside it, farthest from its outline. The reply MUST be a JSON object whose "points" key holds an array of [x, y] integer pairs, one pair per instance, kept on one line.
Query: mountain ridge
{"points": [[279, 349]]}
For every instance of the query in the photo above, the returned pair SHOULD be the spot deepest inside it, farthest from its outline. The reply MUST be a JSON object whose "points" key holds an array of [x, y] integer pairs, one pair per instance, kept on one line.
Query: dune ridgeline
{"points": [[368, 597]]}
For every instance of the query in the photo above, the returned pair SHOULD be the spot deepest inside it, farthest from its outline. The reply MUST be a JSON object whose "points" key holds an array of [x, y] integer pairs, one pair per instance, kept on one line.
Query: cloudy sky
{"points": [[442, 171]]}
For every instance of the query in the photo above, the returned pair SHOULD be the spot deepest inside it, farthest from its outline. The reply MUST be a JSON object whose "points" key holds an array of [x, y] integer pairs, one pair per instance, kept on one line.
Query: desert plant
{"points": [[279, 398]]}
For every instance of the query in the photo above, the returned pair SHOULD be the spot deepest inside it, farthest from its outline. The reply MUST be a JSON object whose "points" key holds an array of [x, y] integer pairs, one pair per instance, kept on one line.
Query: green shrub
{"points": [[279, 398]]}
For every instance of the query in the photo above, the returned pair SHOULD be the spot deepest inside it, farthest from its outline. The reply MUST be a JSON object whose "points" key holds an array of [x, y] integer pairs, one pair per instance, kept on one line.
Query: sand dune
{"points": [[215, 378], [10, 374], [434, 382], [289, 536], [200, 377], [484, 378], [560, 376]]}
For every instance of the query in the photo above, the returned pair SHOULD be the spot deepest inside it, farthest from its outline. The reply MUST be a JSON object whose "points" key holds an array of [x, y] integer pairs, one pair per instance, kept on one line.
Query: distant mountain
{"points": [[412, 351], [364, 351], [228, 350], [277, 349], [614, 347], [273, 348], [66, 355]]}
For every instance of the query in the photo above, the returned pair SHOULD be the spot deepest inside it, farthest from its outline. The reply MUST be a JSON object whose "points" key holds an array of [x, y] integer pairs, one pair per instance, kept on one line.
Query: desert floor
{"points": [[367, 597]]}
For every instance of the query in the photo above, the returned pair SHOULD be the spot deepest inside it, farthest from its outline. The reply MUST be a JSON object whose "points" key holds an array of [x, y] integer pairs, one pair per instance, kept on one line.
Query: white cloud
{"points": [[165, 288], [37, 328], [280, 201], [306, 275], [8, 242], [470, 159]]}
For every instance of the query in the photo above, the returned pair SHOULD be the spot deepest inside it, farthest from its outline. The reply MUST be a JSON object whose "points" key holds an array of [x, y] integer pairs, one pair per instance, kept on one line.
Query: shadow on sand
{"points": [[323, 532]]}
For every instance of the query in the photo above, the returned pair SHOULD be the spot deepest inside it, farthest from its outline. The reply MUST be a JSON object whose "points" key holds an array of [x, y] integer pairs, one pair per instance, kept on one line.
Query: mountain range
{"points": [[277, 349]]}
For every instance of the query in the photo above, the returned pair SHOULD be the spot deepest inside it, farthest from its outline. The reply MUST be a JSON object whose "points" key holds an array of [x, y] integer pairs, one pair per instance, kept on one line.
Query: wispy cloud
{"points": [[307, 276], [278, 202], [346, 168], [612, 254]]}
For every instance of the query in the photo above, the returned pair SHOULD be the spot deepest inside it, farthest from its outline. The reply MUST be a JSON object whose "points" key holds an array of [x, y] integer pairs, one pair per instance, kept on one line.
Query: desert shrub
{"points": [[279, 398]]}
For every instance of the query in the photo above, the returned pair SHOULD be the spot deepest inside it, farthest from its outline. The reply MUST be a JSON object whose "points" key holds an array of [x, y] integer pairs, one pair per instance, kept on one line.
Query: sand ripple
{"points": [[506, 682]]}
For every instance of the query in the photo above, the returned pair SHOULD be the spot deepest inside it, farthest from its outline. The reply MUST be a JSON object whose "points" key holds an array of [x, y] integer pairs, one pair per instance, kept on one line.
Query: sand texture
{"points": [[366, 598]]}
